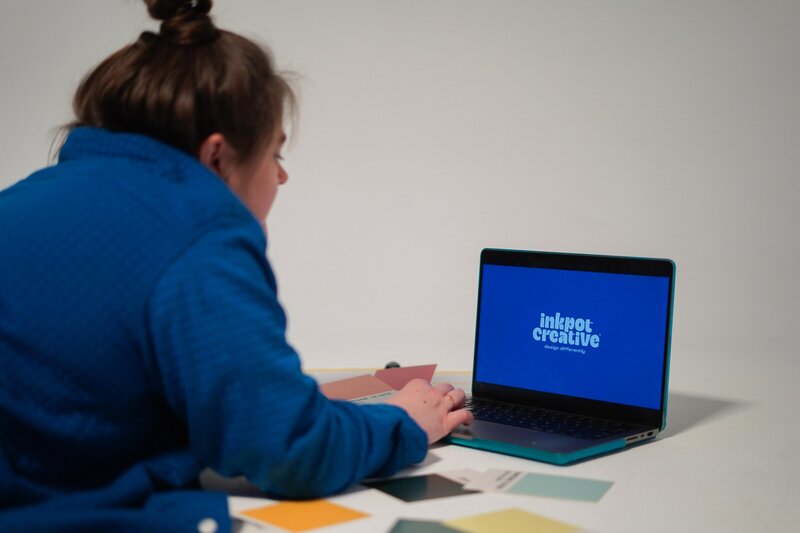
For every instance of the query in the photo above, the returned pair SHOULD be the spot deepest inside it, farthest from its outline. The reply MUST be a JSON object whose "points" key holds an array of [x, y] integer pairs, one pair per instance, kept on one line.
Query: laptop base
{"points": [[556, 458]]}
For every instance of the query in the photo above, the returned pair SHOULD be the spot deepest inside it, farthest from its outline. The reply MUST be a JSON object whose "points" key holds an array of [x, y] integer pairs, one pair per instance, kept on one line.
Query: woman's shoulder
{"points": [[149, 181]]}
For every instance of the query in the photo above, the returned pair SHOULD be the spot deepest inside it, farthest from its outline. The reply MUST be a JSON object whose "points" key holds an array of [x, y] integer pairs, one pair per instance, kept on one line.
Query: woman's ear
{"points": [[217, 155]]}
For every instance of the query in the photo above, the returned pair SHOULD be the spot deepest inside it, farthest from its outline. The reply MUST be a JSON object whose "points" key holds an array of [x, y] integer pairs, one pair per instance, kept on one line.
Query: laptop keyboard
{"points": [[545, 420]]}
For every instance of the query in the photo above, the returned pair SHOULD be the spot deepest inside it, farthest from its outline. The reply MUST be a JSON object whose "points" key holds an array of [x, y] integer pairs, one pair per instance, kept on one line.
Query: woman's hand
{"points": [[437, 409]]}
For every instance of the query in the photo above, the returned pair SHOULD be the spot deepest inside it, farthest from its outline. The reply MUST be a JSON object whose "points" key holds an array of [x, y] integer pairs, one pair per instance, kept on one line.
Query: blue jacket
{"points": [[141, 339]]}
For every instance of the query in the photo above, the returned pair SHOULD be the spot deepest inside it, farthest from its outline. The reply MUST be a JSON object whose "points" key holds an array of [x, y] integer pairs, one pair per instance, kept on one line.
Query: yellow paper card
{"points": [[302, 516], [509, 521]]}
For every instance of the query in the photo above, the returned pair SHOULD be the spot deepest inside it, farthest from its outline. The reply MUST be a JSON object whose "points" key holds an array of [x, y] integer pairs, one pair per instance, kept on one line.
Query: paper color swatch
{"points": [[361, 388], [368, 389], [421, 526], [418, 488], [398, 377], [568, 488], [462, 476], [302, 516], [511, 521]]}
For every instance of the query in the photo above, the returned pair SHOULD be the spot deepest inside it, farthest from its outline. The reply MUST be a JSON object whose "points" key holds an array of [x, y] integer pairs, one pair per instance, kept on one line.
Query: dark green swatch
{"points": [[420, 526], [417, 488]]}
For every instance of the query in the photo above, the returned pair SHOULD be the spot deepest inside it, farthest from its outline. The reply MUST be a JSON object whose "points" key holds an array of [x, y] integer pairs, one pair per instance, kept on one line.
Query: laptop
{"points": [[571, 354]]}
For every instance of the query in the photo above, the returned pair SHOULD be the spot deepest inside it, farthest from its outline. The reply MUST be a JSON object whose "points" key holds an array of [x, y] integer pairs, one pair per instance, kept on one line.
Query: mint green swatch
{"points": [[569, 488]]}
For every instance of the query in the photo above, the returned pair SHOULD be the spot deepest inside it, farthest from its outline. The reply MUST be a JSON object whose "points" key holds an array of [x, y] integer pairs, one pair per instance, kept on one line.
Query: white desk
{"points": [[726, 461]]}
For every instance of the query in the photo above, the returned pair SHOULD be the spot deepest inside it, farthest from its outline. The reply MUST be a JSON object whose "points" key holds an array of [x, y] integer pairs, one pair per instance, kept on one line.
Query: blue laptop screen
{"points": [[587, 334]]}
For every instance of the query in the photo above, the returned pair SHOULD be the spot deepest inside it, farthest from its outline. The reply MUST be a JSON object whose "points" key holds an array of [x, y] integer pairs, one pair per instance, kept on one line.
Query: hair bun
{"points": [[185, 22]]}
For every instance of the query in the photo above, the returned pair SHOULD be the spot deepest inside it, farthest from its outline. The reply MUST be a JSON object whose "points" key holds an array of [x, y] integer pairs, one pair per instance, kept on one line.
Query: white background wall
{"points": [[432, 128]]}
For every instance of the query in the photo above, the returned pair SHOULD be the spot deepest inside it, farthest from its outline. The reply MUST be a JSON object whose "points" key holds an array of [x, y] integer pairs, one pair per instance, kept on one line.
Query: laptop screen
{"points": [[592, 335]]}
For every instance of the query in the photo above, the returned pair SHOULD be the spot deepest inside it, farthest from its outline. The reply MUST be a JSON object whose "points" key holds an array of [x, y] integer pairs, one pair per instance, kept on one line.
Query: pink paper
{"points": [[354, 388], [398, 377]]}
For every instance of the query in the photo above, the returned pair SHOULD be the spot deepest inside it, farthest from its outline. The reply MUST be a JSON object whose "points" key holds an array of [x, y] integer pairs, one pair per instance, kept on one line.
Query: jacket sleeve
{"points": [[218, 353]]}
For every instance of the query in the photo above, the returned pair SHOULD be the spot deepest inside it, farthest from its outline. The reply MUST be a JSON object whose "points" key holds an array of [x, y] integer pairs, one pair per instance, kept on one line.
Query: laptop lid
{"points": [[586, 334]]}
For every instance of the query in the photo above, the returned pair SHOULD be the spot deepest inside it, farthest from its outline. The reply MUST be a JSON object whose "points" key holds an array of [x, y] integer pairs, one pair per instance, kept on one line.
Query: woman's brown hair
{"points": [[186, 82]]}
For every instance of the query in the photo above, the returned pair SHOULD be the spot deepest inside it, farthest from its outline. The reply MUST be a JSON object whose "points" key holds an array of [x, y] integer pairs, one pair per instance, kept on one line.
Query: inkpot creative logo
{"points": [[566, 333]]}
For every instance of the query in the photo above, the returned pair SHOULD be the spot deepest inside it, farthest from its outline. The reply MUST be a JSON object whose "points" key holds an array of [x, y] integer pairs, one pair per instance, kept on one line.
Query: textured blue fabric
{"points": [[141, 339]]}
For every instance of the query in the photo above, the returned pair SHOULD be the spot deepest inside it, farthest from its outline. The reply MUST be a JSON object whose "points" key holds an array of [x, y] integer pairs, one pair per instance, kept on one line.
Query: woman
{"points": [[140, 333]]}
